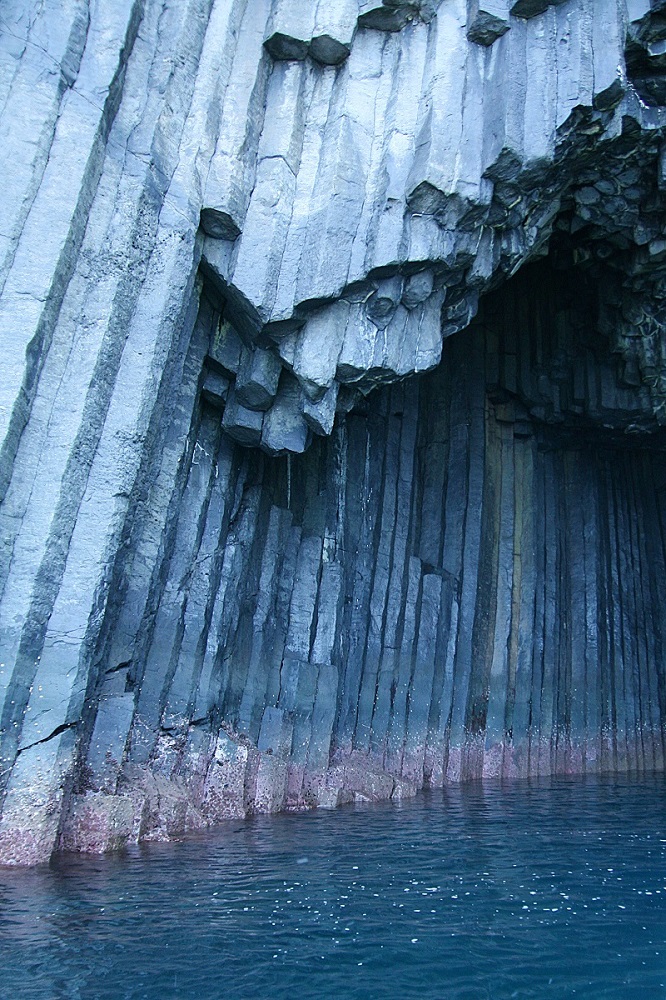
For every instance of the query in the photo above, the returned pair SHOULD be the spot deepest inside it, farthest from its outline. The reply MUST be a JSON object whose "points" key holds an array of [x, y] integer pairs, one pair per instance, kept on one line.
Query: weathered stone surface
{"points": [[228, 225]]}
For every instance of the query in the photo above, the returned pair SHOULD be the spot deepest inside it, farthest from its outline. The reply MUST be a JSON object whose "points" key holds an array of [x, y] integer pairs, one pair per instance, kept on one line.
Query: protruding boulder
{"points": [[487, 20], [290, 29], [240, 423], [226, 347], [335, 24], [386, 16], [215, 388], [530, 8], [383, 303], [417, 288], [258, 377], [284, 427], [318, 348], [320, 415], [220, 224]]}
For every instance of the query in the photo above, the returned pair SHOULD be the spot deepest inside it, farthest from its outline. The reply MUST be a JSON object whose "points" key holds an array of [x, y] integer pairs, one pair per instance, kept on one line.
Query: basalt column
{"points": [[466, 579]]}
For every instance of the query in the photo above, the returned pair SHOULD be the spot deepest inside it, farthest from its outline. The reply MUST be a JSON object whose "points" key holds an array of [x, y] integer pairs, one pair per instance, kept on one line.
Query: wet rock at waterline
{"points": [[333, 405]]}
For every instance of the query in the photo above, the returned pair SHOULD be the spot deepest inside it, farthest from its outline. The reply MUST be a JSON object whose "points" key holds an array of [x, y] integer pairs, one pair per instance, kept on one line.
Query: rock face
{"points": [[333, 404]]}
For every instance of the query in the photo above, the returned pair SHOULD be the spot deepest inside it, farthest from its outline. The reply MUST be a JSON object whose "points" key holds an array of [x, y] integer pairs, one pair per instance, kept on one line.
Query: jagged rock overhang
{"points": [[281, 383], [349, 297]]}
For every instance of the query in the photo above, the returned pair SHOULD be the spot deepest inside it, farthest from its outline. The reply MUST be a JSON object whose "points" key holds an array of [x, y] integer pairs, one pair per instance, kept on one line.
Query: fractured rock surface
{"points": [[253, 557]]}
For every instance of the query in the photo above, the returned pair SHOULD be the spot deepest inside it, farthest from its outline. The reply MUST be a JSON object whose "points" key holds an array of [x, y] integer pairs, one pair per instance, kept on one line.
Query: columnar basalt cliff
{"points": [[333, 404]]}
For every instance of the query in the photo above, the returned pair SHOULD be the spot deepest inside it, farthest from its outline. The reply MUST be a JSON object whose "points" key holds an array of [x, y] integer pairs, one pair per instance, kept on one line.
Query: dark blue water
{"points": [[544, 889]]}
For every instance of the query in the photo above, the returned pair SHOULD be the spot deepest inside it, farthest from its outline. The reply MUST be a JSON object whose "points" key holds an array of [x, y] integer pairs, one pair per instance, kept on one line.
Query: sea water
{"points": [[550, 888]]}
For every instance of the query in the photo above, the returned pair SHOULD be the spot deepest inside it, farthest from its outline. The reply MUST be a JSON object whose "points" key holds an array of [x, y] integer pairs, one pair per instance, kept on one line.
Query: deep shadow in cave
{"points": [[468, 578]]}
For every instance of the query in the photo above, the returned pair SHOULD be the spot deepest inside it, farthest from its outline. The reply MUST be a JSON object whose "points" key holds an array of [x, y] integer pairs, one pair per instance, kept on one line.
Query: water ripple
{"points": [[551, 888]]}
